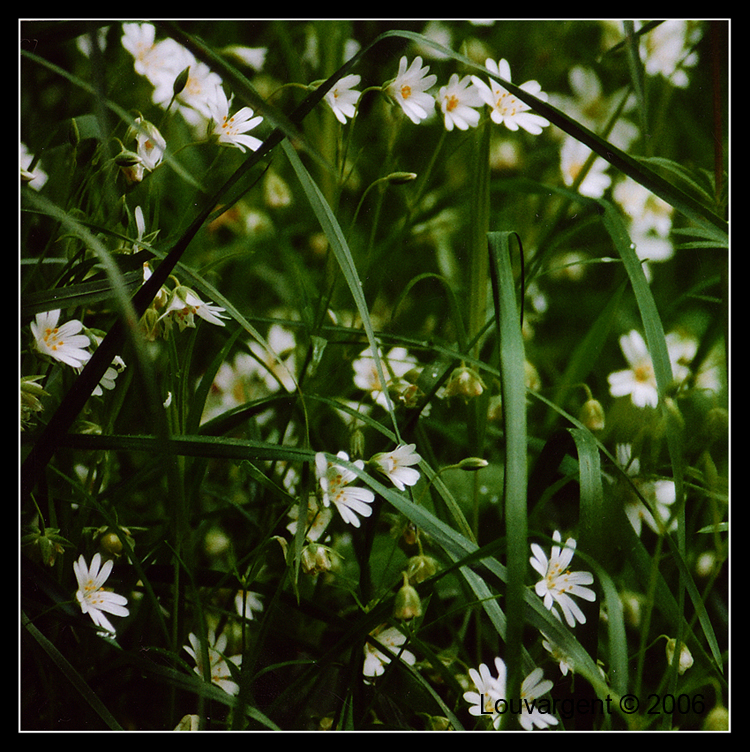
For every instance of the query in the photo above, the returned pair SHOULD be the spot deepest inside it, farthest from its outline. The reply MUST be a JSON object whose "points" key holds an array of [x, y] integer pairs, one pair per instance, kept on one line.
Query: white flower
{"points": [[221, 674], [491, 698], [457, 101], [646, 212], [590, 107], [162, 62], [573, 156], [113, 371], [93, 600], [334, 480], [639, 381], [276, 364], [557, 654], [375, 660], [558, 583], [506, 109], [246, 603], [185, 304], [489, 688], [253, 57], [533, 687], [150, 144], [395, 366], [396, 465], [661, 495], [342, 97], [316, 522], [409, 89], [139, 39], [35, 179], [62, 343], [232, 130], [667, 50]]}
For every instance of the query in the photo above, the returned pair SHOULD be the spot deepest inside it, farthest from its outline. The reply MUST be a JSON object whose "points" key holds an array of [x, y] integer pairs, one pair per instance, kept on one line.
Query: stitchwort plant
{"points": [[373, 375]]}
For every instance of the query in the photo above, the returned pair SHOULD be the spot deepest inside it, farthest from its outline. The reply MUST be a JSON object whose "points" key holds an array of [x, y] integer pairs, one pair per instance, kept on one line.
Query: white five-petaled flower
{"points": [[64, 342], [491, 698], [458, 100], [661, 494], [232, 129], [219, 670], [351, 502], [376, 660], [342, 97], [409, 89], [507, 109], [184, 305], [395, 365], [573, 156], [558, 583], [93, 600], [638, 381], [396, 465]]}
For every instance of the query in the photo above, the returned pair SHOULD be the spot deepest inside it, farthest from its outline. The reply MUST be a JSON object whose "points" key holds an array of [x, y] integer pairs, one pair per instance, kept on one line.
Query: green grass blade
{"points": [[513, 380]]}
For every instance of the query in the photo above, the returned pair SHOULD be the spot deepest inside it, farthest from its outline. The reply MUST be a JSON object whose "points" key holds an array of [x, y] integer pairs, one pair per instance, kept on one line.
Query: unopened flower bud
{"points": [[716, 424], [74, 136], [717, 719], [131, 166], [464, 382], [181, 81], [472, 464], [109, 541], [402, 177], [316, 559], [407, 605], [592, 415], [686, 658], [421, 567]]}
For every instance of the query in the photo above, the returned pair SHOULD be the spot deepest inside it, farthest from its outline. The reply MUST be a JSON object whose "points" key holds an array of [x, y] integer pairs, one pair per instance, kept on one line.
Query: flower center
{"points": [[406, 91], [643, 373], [452, 103], [51, 339]]}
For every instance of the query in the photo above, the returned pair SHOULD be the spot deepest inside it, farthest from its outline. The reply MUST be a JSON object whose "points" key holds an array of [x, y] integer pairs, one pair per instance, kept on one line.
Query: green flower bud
{"points": [[421, 567], [717, 719], [74, 136], [464, 382], [592, 415], [181, 81], [407, 605], [316, 559], [472, 464], [399, 178]]}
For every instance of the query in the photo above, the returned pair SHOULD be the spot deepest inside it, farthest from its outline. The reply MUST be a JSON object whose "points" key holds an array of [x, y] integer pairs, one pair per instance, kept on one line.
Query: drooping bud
{"points": [[316, 559], [421, 567], [407, 605], [131, 166], [686, 658], [464, 382], [592, 415]]}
